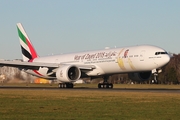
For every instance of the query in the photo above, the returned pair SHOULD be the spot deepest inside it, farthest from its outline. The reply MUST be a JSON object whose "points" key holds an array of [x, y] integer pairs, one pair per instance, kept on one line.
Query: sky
{"points": [[64, 26]]}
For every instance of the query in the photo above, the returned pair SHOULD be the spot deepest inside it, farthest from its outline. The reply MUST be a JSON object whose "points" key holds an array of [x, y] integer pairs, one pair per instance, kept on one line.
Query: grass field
{"points": [[20, 104]]}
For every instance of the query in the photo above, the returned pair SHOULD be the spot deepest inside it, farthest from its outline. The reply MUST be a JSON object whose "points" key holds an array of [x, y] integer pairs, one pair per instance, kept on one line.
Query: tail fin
{"points": [[28, 51]]}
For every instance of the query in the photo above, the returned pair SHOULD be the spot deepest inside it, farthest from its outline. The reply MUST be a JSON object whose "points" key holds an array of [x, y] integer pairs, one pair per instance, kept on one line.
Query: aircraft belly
{"points": [[110, 68]]}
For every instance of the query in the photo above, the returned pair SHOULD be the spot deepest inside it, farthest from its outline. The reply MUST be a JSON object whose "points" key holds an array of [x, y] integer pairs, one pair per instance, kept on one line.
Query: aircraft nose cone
{"points": [[167, 59], [163, 61]]}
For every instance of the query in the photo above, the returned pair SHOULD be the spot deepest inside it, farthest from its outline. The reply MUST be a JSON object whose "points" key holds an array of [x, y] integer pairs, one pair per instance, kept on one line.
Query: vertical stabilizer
{"points": [[28, 51]]}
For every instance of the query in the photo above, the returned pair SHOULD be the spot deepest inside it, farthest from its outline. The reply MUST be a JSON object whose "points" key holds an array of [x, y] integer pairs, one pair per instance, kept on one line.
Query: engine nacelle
{"points": [[68, 73], [141, 76]]}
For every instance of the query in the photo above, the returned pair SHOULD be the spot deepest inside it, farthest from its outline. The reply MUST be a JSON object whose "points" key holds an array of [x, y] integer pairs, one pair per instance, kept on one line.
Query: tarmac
{"points": [[154, 90]]}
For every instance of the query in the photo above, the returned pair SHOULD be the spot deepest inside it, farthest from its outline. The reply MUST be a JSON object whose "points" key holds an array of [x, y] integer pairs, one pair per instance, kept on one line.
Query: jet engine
{"points": [[140, 76], [68, 73]]}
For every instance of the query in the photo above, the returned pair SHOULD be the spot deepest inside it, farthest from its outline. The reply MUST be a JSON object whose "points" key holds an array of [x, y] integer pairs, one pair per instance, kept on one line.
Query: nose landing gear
{"points": [[155, 73]]}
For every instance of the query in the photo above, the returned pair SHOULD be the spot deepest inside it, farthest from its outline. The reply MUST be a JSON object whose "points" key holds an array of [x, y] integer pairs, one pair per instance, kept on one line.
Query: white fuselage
{"points": [[111, 61]]}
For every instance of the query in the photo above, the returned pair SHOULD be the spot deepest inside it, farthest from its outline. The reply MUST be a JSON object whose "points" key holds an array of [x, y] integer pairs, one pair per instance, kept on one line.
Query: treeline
{"points": [[11, 74], [171, 72]]}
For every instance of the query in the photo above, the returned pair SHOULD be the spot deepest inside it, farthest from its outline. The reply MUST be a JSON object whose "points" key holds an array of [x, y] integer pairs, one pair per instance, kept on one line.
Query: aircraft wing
{"points": [[37, 65]]}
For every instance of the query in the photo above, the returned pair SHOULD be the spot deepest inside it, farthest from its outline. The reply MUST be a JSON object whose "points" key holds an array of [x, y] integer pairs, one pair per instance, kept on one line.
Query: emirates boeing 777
{"points": [[139, 62]]}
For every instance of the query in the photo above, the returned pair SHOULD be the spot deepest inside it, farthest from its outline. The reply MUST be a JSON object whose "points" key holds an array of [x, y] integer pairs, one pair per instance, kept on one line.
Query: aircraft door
{"points": [[142, 53]]}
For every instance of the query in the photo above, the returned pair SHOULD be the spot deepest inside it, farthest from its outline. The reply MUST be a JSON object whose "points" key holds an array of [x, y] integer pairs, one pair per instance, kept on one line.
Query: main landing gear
{"points": [[66, 85], [105, 83]]}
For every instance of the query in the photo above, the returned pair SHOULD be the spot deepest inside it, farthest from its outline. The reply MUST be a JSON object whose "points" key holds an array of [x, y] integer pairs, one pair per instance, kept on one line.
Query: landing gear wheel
{"points": [[99, 85], [65, 85], [105, 85], [110, 85], [62, 85], [69, 85]]}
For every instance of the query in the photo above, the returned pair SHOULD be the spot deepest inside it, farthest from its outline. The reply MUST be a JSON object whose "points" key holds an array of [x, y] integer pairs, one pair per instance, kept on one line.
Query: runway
{"points": [[154, 90]]}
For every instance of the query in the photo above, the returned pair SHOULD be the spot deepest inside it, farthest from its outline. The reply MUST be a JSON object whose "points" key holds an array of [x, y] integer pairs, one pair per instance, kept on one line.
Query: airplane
{"points": [[139, 62]]}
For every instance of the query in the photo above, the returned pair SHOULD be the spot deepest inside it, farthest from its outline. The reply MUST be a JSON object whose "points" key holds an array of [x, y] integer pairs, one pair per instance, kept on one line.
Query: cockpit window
{"points": [[160, 53]]}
